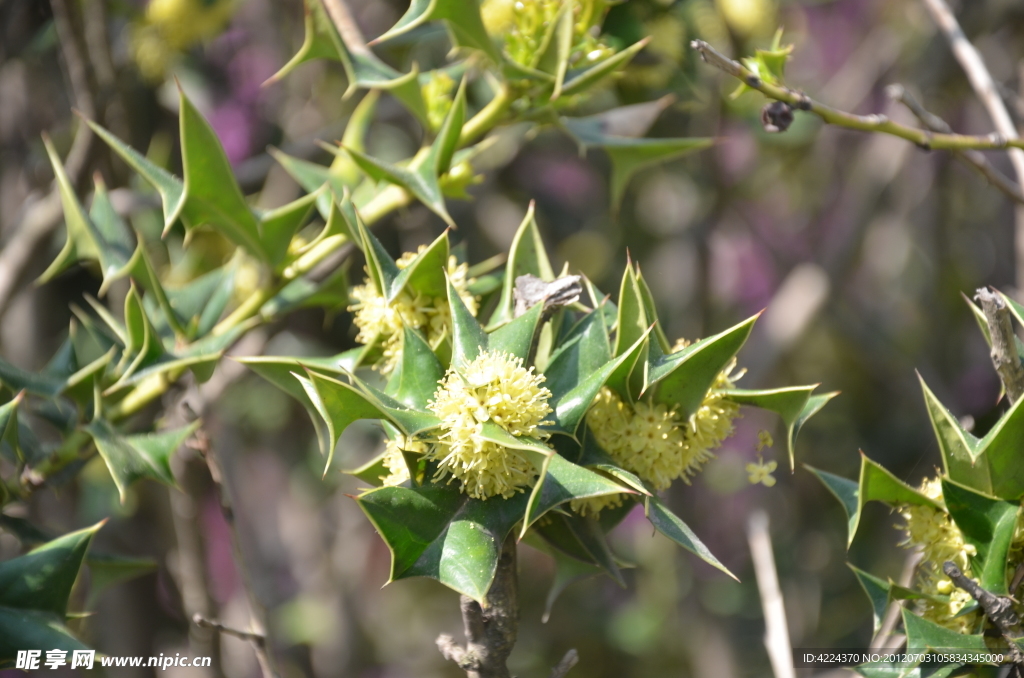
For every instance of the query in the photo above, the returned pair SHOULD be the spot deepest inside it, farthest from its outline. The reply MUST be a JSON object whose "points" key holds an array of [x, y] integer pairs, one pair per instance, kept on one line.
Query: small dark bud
{"points": [[776, 116], [753, 81]]}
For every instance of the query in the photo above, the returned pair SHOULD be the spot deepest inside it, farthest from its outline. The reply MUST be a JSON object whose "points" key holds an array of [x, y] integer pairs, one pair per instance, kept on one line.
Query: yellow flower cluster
{"points": [[172, 26], [495, 387], [524, 23], [394, 460], [933, 531], [376, 318], [652, 441]]}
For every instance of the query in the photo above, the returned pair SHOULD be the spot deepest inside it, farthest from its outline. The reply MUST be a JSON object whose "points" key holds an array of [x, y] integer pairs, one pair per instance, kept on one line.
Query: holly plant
{"points": [[966, 524], [517, 405]]}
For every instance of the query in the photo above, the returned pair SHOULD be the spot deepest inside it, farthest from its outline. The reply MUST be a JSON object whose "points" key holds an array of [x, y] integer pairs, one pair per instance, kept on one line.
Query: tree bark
{"points": [[491, 629]]}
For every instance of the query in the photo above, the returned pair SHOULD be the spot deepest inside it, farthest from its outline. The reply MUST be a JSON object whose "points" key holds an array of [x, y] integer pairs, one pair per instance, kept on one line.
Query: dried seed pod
{"points": [[776, 116]]}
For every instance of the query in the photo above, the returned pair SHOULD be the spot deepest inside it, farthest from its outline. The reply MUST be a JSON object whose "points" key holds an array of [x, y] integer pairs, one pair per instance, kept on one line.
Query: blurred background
{"points": [[859, 247]]}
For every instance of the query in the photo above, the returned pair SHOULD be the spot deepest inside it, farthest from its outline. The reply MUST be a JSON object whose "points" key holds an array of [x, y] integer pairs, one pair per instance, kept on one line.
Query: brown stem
{"points": [[256, 609], [975, 159], [256, 639], [1004, 341], [570, 660], [491, 629], [999, 609], [865, 123]]}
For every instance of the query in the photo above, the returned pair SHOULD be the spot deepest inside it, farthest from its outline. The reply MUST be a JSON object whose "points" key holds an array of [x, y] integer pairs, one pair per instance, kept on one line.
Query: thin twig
{"points": [[975, 159], [981, 80], [865, 123], [892, 614], [970, 60], [201, 443], [257, 639], [74, 59], [776, 638], [570, 660], [1004, 342], [346, 25], [999, 609]]}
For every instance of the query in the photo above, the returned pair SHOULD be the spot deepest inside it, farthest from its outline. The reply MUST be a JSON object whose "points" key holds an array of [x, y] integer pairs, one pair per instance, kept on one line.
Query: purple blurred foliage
{"points": [[742, 272], [736, 152], [220, 562]]}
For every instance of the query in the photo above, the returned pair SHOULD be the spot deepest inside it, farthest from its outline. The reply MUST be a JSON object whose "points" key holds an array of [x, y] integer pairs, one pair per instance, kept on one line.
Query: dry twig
{"points": [[257, 639], [570, 660], [1004, 342], [776, 638], [987, 91], [201, 443], [975, 159], [865, 123], [999, 609]]}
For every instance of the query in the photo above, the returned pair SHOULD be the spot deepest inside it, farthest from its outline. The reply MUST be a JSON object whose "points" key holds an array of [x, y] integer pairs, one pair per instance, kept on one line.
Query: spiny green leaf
{"points": [[684, 377], [115, 243], [438, 532], [143, 347], [581, 538], [877, 591], [518, 336], [672, 526], [956, 445], [527, 256], [813, 406], [279, 370], [630, 379], [995, 456], [553, 54], [846, 491], [9, 424], [629, 155], [170, 188], [876, 484], [663, 345], [579, 81], [134, 457], [339, 404], [468, 338], [570, 406], [425, 273], [318, 41], [80, 243], [20, 629], [421, 176], [561, 481], [279, 226], [925, 635], [986, 523], [40, 384], [41, 580], [372, 471], [791, 404], [461, 16], [106, 570], [567, 571], [213, 196], [585, 350], [331, 294], [418, 372]]}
